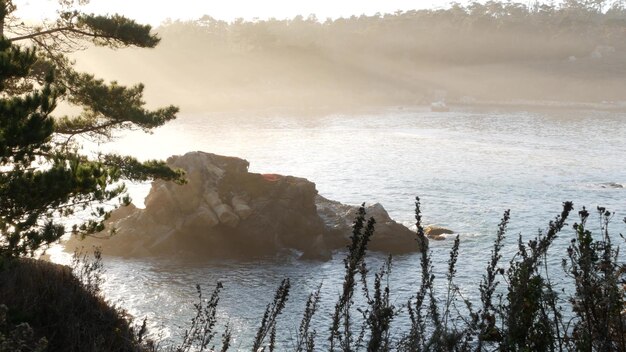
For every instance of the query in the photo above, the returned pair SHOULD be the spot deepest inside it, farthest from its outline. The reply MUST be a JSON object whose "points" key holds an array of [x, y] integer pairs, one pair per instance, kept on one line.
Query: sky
{"points": [[156, 11]]}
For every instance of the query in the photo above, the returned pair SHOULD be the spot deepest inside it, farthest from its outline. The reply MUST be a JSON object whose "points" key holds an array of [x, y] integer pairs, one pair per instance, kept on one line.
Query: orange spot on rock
{"points": [[271, 177]]}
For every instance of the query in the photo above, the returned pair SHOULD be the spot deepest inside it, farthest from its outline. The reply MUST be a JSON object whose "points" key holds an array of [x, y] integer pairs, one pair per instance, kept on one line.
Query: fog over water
{"points": [[497, 52]]}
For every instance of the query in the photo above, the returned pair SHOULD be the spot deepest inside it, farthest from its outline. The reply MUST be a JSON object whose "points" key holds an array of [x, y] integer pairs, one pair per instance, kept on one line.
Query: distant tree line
{"points": [[569, 51], [495, 31]]}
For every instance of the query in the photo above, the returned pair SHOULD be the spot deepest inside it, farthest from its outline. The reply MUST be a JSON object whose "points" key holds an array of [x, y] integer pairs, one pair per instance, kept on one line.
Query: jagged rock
{"points": [[389, 236], [225, 211]]}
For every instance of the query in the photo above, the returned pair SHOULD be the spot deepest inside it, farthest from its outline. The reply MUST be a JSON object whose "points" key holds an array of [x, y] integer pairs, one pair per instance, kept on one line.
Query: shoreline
{"points": [[349, 109], [544, 104]]}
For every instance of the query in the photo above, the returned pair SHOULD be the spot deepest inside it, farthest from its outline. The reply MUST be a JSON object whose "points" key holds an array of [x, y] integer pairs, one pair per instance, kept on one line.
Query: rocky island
{"points": [[224, 211]]}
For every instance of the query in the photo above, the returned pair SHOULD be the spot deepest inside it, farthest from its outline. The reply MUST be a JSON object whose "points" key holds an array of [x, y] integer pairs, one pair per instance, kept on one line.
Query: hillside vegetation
{"points": [[496, 51]]}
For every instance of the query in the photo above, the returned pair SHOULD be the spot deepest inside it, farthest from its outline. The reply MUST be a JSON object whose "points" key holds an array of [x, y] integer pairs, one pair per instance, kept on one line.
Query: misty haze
{"points": [[443, 179], [492, 53]]}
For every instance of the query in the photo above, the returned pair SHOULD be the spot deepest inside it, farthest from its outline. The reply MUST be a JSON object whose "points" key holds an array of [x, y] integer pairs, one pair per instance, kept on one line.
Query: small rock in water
{"points": [[437, 232], [611, 185]]}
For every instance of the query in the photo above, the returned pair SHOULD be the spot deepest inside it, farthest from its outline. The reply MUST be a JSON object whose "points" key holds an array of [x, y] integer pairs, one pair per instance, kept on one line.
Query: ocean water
{"points": [[467, 166]]}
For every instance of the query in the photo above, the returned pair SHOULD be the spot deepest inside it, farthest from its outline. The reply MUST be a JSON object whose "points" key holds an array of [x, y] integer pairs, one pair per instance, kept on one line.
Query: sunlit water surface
{"points": [[467, 166]]}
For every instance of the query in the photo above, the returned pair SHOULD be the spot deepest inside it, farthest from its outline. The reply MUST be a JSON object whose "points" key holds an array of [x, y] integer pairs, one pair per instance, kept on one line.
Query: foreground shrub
{"points": [[519, 309], [49, 305]]}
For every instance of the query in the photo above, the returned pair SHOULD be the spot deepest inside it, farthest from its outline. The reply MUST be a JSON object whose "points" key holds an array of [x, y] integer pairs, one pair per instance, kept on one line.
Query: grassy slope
{"points": [[56, 305]]}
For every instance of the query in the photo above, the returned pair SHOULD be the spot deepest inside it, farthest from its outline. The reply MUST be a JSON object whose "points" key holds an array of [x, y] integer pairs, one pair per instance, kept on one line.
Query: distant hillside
{"points": [[496, 51]]}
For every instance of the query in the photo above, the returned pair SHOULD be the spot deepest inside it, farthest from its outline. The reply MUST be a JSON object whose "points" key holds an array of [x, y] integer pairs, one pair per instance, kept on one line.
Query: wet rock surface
{"points": [[437, 233], [611, 185], [224, 211]]}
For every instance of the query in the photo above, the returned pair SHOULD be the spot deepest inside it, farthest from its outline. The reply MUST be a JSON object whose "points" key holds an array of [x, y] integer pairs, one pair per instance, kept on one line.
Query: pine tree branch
{"points": [[60, 30]]}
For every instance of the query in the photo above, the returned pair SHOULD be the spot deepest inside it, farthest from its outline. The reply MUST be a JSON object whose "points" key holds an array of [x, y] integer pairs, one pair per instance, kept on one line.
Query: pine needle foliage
{"points": [[43, 175]]}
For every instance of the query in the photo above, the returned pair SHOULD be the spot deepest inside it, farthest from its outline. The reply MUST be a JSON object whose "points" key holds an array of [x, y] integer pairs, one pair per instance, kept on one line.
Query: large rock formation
{"points": [[226, 211]]}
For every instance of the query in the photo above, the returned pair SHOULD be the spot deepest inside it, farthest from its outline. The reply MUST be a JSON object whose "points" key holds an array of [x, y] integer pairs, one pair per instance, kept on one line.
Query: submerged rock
{"points": [[611, 185], [437, 233], [224, 211]]}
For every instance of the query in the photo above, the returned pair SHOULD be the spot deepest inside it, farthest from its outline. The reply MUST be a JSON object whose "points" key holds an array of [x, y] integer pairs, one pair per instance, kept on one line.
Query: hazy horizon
{"points": [[160, 11], [492, 53]]}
